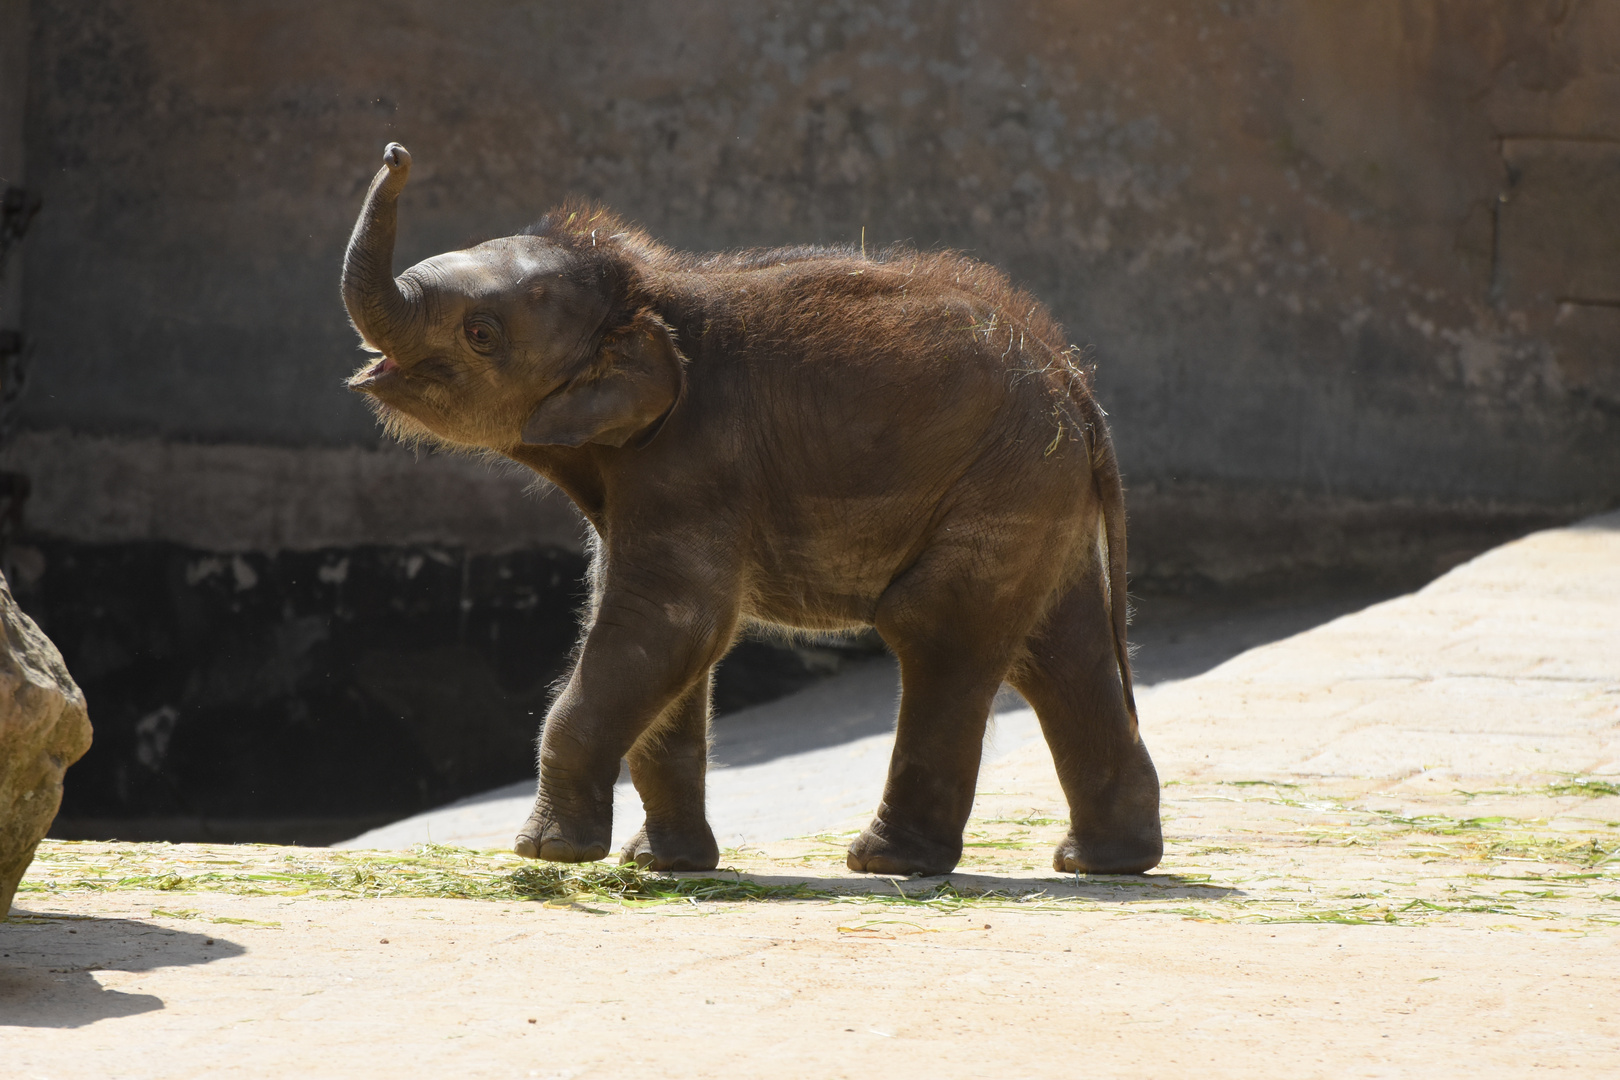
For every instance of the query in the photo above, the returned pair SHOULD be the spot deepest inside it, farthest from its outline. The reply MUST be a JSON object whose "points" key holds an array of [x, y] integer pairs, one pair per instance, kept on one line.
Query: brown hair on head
{"points": [[580, 224], [607, 249]]}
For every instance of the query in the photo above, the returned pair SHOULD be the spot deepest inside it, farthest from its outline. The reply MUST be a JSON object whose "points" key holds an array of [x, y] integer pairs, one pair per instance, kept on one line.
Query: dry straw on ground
{"points": [[1246, 851]]}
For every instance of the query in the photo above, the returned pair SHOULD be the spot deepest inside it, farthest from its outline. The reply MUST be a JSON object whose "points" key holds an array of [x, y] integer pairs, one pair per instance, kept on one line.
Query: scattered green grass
{"points": [[1544, 848], [1350, 917], [1591, 787], [436, 871], [432, 871], [1014, 843], [1573, 784], [1031, 822], [1548, 894], [1443, 825], [192, 913]]}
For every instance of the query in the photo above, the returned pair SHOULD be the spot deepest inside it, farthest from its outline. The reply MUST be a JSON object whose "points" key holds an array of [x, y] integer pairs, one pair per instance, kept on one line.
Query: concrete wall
{"points": [[1364, 250], [13, 168]]}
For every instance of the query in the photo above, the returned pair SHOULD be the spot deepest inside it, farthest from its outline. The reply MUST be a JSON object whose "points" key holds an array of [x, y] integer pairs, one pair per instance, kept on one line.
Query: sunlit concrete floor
{"points": [[1393, 849]]}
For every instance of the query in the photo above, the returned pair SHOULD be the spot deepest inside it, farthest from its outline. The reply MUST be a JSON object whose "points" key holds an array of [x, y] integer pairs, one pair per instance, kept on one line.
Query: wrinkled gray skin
{"points": [[810, 438]]}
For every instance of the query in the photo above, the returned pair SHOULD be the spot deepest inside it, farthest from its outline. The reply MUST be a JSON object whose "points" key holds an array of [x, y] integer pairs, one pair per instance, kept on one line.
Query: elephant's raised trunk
{"points": [[382, 310]]}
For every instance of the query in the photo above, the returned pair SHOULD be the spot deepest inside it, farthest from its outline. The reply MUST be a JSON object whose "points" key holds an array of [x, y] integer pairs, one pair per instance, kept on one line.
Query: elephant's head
{"points": [[535, 339]]}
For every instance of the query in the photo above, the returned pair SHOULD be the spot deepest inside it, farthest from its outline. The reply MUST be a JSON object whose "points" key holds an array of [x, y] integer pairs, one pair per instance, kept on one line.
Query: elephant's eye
{"points": [[481, 333]]}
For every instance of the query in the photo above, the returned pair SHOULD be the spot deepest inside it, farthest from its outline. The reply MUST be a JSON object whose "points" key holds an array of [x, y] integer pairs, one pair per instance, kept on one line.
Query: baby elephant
{"points": [[814, 438]]}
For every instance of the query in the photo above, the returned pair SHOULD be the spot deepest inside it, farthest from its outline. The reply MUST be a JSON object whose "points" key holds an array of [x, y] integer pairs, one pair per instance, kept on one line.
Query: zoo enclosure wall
{"points": [[1328, 259]]}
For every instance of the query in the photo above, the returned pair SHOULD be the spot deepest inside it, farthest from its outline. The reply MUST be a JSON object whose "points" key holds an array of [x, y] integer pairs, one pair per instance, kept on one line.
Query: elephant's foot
{"points": [[690, 849], [1114, 852], [886, 849], [543, 837]]}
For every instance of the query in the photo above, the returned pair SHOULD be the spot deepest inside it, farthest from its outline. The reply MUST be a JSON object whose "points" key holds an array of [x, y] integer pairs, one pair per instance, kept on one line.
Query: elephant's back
{"points": [[854, 407]]}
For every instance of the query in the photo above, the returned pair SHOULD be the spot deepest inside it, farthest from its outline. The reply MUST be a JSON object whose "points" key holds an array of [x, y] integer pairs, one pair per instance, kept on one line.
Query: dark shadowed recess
{"points": [[306, 696]]}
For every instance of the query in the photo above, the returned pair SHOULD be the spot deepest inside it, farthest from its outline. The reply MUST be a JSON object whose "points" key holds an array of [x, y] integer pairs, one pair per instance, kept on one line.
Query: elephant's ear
{"points": [[636, 380]]}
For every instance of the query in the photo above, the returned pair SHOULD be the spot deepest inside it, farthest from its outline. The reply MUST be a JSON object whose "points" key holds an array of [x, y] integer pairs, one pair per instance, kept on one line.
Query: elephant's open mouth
{"points": [[369, 378]]}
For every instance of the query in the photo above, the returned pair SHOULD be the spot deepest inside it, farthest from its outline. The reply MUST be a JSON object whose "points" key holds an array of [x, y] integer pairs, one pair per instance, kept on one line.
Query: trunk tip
{"points": [[396, 157]]}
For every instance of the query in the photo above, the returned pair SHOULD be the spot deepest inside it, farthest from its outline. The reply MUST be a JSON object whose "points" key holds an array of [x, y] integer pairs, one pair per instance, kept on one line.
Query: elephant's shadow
{"points": [[1098, 888], [46, 961]]}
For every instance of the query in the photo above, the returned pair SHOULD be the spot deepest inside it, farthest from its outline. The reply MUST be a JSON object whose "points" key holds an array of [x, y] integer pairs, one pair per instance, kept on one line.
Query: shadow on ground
{"points": [[47, 960], [806, 735], [1099, 888], [1180, 637], [1173, 637]]}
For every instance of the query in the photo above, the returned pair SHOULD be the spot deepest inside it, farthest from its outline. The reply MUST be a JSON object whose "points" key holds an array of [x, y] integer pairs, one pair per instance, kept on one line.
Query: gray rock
{"points": [[44, 728]]}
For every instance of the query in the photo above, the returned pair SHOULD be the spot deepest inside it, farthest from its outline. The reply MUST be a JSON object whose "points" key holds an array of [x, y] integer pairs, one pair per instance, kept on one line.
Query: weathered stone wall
{"points": [[1363, 250], [13, 169]]}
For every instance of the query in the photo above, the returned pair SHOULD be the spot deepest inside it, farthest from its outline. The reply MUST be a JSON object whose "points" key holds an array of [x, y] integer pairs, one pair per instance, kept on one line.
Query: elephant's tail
{"points": [[1110, 490]]}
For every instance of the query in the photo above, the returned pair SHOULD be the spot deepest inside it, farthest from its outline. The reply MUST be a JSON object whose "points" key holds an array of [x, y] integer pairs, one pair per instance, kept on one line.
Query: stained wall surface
{"points": [[1367, 249]]}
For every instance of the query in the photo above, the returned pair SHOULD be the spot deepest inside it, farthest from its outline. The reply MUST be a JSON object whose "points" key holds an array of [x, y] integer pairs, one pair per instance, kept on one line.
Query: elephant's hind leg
{"points": [[668, 766], [954, 645], [1070, 675], [944, 705]]}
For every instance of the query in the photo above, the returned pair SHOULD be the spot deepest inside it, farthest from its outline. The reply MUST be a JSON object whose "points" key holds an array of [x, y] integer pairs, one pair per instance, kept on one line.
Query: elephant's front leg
{"points": [[650, 644], [668, 765]]}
